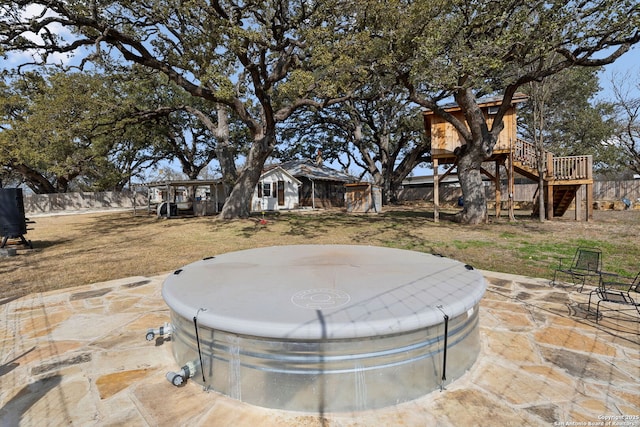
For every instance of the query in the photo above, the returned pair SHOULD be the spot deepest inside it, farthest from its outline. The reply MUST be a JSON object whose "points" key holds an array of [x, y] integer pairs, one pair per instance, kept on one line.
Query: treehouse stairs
{"points": [[563, 178], [563, 197]]}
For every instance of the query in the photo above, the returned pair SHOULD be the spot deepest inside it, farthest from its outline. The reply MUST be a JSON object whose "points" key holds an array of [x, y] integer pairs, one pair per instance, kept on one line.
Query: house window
{"points": [[266, 189]]}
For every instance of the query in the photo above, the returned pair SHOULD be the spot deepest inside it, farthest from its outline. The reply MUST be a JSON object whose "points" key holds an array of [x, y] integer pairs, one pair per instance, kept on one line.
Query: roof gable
{"points": [[279, 169]]}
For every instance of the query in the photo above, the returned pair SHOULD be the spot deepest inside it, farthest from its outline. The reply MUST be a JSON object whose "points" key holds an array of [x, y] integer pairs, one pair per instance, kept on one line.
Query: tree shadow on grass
{"points": [[45, 244], [120, 223]]}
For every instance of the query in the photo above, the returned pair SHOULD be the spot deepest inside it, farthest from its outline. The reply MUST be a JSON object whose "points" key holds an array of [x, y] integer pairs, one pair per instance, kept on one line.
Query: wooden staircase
{"points": [[562, 195], [563, 176]]}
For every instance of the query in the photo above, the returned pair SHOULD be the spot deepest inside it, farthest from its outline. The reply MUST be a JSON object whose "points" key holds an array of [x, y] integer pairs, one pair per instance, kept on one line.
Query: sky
{"points": [[627, 64]]}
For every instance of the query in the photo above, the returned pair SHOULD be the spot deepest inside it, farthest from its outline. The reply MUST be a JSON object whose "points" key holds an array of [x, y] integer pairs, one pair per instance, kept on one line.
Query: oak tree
{"points": [[462, 50], [251, 57]]}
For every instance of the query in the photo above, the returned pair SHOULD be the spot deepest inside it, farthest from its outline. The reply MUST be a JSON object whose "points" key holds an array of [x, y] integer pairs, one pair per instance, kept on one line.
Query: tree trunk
{"points": [[479, 147], [225, 152], [541, 95], [474, 210], [34, 180], [238, 204]]}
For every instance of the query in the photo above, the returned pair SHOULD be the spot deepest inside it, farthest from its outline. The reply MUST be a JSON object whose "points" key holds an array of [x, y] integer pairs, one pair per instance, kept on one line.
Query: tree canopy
{"points": [[55, 127], [473, 48], [251, 58], [575, 122], [264, 61]]}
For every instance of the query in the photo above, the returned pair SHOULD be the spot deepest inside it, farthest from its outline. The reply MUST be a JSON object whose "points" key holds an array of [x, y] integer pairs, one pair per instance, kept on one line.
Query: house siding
{"points": [[328, 194], [269, 202]]}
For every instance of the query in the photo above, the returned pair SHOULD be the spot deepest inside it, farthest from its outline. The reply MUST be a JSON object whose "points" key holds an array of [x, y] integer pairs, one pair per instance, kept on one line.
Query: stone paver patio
{"points": [[79, 357]]}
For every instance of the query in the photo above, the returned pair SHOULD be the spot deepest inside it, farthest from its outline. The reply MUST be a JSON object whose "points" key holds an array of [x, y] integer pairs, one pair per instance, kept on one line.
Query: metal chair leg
{"points": [[598, 311]]}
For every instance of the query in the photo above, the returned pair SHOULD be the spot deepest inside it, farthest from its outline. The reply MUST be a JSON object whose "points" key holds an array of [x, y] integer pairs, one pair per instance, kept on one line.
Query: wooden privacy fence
{"points": [[602, 191], [616, 190]]}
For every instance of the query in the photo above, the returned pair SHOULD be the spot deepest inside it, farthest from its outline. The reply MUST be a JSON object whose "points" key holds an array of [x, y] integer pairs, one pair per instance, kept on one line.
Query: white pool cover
{"points": [[325, 328]]}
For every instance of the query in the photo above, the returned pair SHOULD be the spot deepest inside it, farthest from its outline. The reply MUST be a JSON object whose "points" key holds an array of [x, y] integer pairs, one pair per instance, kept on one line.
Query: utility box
{"points": [[363, 197]]}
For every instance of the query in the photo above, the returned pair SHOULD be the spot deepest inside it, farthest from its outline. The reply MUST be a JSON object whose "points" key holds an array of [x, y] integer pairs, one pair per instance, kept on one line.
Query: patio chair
{"points": [[612, 291], [587, 262]]}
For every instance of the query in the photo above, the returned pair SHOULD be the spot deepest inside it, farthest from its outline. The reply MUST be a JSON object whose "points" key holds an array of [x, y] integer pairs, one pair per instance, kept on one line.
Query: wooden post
{"points": [[498, 190], [548, 203], [212, 196], [133, 201], [436, 192], [589, 189], [578, 202], [548, 188], [511, 184], [170, 193]]}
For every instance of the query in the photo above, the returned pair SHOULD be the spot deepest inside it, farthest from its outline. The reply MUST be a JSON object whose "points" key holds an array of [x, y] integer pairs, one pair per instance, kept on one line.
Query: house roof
{"points": [[281, 169], [181, 183], [306, 169], [428, 180], [487, 101]]}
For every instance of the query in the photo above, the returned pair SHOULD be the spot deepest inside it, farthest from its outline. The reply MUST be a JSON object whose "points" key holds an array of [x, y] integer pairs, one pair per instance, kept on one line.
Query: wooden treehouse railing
{"points": [[567, 168]]}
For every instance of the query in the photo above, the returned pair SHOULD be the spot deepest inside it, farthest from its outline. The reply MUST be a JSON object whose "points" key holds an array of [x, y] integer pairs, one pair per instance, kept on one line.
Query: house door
{"points": [[280, 193]]}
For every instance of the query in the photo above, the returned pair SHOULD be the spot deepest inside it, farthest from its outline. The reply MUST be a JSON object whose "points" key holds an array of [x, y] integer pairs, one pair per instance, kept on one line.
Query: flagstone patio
{"points": [[79, 357]]}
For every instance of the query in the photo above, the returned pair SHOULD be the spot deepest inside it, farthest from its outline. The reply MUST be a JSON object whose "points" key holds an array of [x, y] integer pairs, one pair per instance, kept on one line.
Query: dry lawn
{"points": [[73, 250]]}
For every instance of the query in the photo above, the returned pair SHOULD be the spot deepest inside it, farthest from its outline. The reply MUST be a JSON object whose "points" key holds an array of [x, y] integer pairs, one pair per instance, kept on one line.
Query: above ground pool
{"points": [[324, 328]]}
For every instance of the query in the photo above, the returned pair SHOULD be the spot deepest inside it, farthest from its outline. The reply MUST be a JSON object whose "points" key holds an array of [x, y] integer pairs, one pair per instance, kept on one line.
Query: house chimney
{"points": [[319, 158]]}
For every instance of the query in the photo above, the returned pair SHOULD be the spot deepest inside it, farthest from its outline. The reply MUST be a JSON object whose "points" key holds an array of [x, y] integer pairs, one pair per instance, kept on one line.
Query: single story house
{"points": [[276, 190], [322, 186]]}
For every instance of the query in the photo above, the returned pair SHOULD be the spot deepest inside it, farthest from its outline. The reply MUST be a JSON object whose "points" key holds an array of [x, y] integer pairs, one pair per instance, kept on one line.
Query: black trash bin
{"points": [[13, 224]]}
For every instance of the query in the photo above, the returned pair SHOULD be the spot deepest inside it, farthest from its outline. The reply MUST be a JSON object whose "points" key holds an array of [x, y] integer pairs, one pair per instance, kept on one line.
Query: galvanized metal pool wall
{"points": [[364, 330]]}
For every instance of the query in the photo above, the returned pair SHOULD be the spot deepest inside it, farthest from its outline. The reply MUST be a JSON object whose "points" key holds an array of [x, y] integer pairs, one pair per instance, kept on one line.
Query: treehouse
{"points": [[563, 176]]}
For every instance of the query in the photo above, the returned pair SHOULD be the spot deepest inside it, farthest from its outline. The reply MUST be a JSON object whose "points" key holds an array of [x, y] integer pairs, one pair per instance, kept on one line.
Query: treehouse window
{"points": [[493, 110]]}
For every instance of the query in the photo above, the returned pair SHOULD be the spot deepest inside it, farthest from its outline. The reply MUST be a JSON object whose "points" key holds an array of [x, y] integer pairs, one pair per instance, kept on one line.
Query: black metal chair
{"points": [[587, 262], [617, 292]]}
